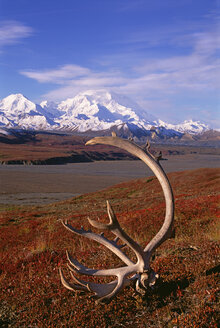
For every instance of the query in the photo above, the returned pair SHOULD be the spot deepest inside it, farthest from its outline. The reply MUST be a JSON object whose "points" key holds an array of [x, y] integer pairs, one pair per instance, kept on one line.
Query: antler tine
{"points": [[116, 229], [69, 285], [81, 269], [101, 291], [120, 233], [146, 148], [110, 244], [113, 222], [104, 292]]}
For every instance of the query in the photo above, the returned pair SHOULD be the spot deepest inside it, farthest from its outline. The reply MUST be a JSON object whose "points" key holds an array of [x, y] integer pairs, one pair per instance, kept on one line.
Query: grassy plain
{"points": [[33, 244]]}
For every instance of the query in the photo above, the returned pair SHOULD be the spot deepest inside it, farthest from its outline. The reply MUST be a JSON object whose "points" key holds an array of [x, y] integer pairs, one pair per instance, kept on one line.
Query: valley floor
{"points": [[39, 184]]}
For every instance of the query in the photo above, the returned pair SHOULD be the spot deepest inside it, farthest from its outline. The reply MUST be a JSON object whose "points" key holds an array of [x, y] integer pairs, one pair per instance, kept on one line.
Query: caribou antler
{"points": [[141, 272]]}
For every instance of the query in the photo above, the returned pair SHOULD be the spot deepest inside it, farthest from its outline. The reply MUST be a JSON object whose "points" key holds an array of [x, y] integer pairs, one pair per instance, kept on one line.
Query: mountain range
{"points": [[90, 112]]}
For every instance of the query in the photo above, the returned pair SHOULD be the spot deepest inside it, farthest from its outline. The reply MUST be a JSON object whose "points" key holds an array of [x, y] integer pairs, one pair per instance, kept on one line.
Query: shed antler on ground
{"points": [[140, 271]]}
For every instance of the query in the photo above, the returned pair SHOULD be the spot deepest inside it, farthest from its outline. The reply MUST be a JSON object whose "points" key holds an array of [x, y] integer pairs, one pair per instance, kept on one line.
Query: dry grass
{"points": [[33, 244]]}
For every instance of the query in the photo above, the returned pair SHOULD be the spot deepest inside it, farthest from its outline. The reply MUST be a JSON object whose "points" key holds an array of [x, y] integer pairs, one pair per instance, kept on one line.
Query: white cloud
{"points": [[13, 32], [199, 70], [207, 43], [92, 80], [192, 73], [73, 79], [58, 76]]}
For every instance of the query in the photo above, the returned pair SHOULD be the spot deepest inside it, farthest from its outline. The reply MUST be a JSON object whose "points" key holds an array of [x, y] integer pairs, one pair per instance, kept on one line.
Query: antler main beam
{"points": [[139, 271]]}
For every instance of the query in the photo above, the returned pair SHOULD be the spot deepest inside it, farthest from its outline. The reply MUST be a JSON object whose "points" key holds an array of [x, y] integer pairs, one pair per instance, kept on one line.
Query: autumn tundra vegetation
{"points": [[33, 245]]}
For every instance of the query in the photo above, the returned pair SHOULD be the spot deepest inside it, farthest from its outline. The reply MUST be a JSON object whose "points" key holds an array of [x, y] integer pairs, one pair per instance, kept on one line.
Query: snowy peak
{"points": [[192, 127], [189, 126], [18, 111], [91, 110], [100, 109], [17, 103]]}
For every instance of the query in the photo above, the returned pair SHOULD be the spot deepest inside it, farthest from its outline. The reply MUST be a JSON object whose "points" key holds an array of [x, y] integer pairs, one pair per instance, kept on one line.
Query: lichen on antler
{"points": [[140, 270]]}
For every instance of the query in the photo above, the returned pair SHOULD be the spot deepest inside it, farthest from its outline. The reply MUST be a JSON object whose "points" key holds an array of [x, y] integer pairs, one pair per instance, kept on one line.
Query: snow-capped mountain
{"points": [[190, 126], [89, 111], [99, 110], [17, 111]]}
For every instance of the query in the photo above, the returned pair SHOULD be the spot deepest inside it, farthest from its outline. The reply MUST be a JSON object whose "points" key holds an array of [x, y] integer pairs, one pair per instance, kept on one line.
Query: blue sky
{"points": [[164, 54]]}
